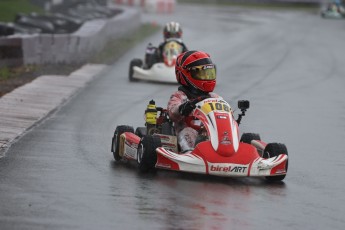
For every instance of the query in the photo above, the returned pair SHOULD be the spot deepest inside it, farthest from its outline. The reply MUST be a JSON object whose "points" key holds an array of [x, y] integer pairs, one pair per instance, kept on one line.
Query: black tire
{"points": [[134, 62], [116, 140], [248, 137], [167, 129], [147, 156], [273, 150], [141, 131], [150, 60], [200, 138]]}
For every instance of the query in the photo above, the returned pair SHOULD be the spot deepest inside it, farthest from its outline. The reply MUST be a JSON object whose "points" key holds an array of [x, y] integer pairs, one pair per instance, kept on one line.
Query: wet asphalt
{"points": [[61, 173]]}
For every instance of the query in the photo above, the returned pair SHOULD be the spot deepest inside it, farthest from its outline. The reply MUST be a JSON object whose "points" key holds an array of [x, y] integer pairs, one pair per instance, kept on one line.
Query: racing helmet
{"points": [[196, 70], [172, 30]]}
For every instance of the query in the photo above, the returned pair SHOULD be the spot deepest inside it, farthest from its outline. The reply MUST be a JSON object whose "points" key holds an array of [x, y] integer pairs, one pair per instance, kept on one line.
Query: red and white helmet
{"points": [[172, 30], [195, 69]]}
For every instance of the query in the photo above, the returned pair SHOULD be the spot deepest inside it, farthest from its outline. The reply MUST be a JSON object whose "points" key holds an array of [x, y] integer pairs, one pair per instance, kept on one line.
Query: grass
{"points": [[117, 47], [4, 73], [11, 78], [9, 9], [111, 52], [272, 6], [7, 73]]}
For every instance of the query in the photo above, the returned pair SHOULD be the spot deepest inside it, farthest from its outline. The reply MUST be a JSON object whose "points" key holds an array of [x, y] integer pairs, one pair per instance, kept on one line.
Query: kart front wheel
{"points": [[134, 62], [147, 156], [116, 140], [141, 131], [274, 150], [248, 137]]}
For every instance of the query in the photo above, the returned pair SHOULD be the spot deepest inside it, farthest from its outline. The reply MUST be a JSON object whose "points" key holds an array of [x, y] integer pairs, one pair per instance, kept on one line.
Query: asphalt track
{"points": [[61, 174]]}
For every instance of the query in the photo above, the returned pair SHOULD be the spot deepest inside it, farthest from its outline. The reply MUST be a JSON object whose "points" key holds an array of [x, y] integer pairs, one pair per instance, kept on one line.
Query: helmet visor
{"points": [[172, 35], [203, 72]]}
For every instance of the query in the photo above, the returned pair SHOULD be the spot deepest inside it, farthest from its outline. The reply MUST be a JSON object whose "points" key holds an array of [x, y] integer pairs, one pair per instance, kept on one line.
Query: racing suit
{"points": [[186, 136]]}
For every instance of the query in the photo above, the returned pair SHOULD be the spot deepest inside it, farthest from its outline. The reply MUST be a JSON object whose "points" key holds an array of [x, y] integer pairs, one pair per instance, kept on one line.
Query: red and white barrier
{"points": [[160, 6], [151, 6]]}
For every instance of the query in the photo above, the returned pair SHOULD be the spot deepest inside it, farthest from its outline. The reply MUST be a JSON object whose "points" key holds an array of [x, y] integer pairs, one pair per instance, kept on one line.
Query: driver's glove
{"points": [[186, 108]]}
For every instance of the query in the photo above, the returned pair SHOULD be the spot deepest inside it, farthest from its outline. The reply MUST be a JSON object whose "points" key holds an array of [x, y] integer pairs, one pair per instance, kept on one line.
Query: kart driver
{"points": [[196, 74], [337, 6], [172, 31]]}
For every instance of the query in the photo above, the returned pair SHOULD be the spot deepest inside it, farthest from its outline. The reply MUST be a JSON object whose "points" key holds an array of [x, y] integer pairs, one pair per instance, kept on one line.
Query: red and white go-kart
{"points": [[218, 150]]}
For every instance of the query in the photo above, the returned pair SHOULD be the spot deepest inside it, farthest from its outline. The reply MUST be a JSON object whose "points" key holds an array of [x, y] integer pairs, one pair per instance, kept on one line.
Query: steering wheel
{"points": [[189, 119]]}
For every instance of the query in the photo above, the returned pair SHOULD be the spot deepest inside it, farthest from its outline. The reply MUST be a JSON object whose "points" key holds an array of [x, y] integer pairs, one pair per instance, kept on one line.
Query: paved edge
{"points": [[29, 104]]}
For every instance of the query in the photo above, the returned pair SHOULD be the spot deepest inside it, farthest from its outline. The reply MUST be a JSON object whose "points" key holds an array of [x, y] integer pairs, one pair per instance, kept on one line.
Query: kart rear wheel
{"points": [[248, 137], [116, 140], [147, 156], [167, 129], [273, 150], [199, 139], [141, 131], [134, 62]]}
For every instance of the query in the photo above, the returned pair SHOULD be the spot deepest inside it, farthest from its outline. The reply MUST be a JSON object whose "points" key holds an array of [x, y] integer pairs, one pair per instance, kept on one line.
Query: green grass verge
{"points": [[117, 47], [9, 9], [272, 6], [11, 78], [6, 73]]}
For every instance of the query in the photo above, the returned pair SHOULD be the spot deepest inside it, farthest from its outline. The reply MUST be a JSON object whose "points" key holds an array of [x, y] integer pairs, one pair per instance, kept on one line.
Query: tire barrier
{"points": [[130, 2], [151, 6], [11, 53], [71, 48]]}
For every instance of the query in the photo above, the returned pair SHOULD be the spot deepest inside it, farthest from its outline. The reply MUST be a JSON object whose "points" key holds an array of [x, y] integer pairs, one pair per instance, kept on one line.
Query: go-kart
{"points": [[333, 11], [162, 70], [218, 149]]}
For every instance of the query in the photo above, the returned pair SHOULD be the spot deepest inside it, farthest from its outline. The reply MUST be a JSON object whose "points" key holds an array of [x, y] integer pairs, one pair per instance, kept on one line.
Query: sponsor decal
{"points": [[210, 100], [131, 144], [225, 142], [222, 117], [225, 139], [167, 166], [208, 67], [281, 171], [131, 150], [236, 169]]}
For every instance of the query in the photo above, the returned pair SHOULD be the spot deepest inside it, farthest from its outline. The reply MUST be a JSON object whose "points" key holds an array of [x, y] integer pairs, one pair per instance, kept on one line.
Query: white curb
{"points": [[27, 105]]}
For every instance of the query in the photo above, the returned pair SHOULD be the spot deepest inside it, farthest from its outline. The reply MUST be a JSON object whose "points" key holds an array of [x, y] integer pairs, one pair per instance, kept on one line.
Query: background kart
{"points": [[333, 12], [218, 151], [162, 70]]}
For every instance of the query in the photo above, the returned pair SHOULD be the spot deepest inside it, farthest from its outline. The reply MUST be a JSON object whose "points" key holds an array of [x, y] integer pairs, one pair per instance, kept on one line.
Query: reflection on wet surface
{"points": [[191, 201], [61, 175]]}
